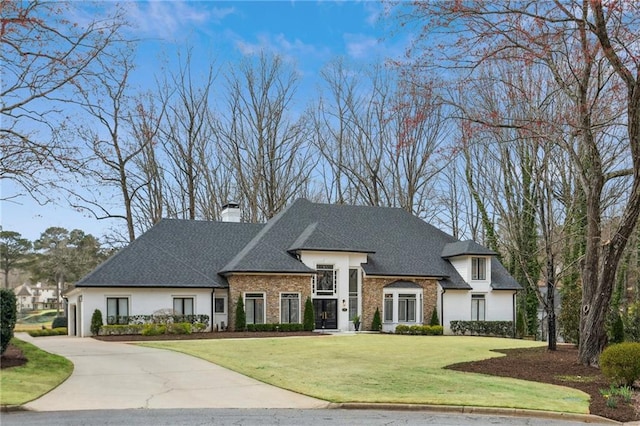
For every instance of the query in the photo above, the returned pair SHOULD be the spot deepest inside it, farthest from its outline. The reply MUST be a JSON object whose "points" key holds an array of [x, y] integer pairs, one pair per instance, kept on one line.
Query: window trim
{"points": [[321, 269], [224, 305], [478, 268], [396, 297], [298, 313], [253, 296], [184, 299], [475, 300], [117, 315]]}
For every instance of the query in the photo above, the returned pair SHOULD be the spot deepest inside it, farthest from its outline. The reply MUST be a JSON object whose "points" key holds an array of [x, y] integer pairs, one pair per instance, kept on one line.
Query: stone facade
{"points": [[271, 286], [372, 290]]}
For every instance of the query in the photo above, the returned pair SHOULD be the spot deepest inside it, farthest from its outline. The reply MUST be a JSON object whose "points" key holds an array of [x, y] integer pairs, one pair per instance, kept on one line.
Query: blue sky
{"points": [[307, 33]]}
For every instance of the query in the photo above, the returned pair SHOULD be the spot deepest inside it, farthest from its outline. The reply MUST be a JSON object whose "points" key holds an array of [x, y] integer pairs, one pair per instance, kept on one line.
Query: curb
{"points": [[462, 409]]}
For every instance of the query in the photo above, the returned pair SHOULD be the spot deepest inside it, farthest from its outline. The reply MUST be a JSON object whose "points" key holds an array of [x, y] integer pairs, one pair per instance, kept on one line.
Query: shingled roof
{"points": [[174, 253], [181, 253]]}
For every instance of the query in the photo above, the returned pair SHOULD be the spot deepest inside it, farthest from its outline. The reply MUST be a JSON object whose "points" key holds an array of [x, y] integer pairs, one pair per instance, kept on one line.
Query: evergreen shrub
{"points": [[620, 363], [8, 317]]}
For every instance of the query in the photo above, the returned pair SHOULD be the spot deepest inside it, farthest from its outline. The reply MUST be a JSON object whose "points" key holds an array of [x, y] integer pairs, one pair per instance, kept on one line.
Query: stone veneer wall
{"points": [[271, 286], [372, 291]]}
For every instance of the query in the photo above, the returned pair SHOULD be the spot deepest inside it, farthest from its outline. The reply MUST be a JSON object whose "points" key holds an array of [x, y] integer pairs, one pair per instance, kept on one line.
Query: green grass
{"points": [[42, 373], [384, 368]]}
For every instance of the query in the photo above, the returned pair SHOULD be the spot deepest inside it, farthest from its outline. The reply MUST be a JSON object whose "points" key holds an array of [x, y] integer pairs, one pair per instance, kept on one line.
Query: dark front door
{"points": [[326, 311]]}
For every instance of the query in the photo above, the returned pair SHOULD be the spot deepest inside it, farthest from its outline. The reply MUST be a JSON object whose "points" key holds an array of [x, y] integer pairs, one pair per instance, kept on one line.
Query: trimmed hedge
{"points": [[156, 319], [620, 363], [275, 327], [118, 329], [151, 329], [420, 330], [58, 331], [482, 328]]}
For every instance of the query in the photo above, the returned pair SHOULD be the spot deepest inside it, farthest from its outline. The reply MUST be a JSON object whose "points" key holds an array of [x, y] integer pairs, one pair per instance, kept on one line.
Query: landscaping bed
{"points": [[209, 335], [560, 368]]}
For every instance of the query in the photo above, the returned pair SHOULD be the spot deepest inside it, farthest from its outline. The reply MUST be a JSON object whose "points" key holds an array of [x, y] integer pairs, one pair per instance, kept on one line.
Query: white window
{"points": [[325, 280], [254, 308], [289, 308], [477, 307], [407, 308], [388, 308], [353, 293], [478, 268], [183, 305], [117, 310]]}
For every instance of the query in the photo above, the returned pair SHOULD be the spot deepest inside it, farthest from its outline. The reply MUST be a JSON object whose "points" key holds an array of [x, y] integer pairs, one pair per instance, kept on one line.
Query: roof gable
{"points": [[465, 248]]}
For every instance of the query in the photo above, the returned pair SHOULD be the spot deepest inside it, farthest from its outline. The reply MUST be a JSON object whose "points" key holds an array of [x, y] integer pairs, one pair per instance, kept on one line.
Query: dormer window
{"points": [[478, 268]]}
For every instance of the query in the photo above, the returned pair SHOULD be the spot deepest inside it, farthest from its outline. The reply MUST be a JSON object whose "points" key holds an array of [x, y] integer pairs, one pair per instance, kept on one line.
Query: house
{"points": [[33, 297], [349, 260]]}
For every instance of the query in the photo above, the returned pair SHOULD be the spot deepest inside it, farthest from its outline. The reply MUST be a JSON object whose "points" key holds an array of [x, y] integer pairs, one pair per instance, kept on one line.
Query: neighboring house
{"points": [[349, 260], [34, 297]]}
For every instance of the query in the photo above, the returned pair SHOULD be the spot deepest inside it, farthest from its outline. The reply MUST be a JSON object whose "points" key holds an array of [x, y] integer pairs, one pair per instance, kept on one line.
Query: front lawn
{"points": [[42, 372], [384, 368]]}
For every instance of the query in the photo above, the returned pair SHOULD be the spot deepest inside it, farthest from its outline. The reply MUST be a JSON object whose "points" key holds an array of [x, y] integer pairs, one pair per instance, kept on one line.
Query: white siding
{"points": [[342, 263], [141, 302]]}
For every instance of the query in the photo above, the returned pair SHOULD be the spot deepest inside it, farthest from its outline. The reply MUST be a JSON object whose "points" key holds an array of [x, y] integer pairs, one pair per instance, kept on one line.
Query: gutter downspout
{"points": [[213, 308], [513, 310], [442, 307]]}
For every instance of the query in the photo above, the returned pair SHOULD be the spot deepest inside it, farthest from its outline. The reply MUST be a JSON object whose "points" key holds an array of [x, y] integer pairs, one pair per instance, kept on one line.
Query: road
{"points": [[267, 417]]}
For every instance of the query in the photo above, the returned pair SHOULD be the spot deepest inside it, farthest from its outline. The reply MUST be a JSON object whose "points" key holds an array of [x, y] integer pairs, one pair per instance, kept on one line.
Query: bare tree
{"points": [[111, 147], [265, 146], [43, 55], [590, 39], [187, 131]]}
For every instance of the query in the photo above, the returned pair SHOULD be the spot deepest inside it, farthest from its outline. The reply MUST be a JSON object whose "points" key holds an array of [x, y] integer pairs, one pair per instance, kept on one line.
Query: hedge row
{"points": [[275, 327], [483, 328], [152, 329], [58, 331], [423, 330], [157, 319]]}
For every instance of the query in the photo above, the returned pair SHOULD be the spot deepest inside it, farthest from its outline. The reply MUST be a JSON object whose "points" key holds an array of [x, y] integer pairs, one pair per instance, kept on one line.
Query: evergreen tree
{"points": [[241, 316], [434, 317], [8, 316], [309, 323], [376, 324], [96, 322]]}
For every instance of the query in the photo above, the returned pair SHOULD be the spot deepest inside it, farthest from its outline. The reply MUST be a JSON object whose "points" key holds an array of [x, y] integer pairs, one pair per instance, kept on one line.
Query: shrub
{"points": [[8, 316], [120, 329], [59, 331], [59, 322], [520, 324], [241, 316], [153, 329], [275, 327], [179, 328], [376, 324], [617, 329], [198, 327], [620, 363], [434, 318], [309, 318], [96, 322], [420, 330], [482, 328]]}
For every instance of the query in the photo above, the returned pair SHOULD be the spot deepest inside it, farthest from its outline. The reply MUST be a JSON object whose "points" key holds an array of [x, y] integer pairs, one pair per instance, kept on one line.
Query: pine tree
{"points": [[376, 324]]}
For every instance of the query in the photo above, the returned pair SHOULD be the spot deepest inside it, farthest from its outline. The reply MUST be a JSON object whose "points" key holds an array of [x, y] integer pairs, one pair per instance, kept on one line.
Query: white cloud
{"points": [[167, 20], [279, 44], [361, 46]]}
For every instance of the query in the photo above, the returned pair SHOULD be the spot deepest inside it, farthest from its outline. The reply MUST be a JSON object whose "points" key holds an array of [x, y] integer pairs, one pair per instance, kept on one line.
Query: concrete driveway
{"points": [[111, 375]]}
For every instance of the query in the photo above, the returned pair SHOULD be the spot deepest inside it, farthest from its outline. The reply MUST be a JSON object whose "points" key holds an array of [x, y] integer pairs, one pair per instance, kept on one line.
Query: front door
{"points": [[326, 312]]}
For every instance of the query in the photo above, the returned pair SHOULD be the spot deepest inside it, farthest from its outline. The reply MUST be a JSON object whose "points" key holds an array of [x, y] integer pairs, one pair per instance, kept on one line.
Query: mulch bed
{"points": [[536, 364], [560, 367]]}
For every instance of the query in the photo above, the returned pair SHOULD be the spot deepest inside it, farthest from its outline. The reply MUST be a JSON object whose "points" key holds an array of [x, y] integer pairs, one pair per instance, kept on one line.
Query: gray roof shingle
{"points": [[183, 253], [174, 253]]}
